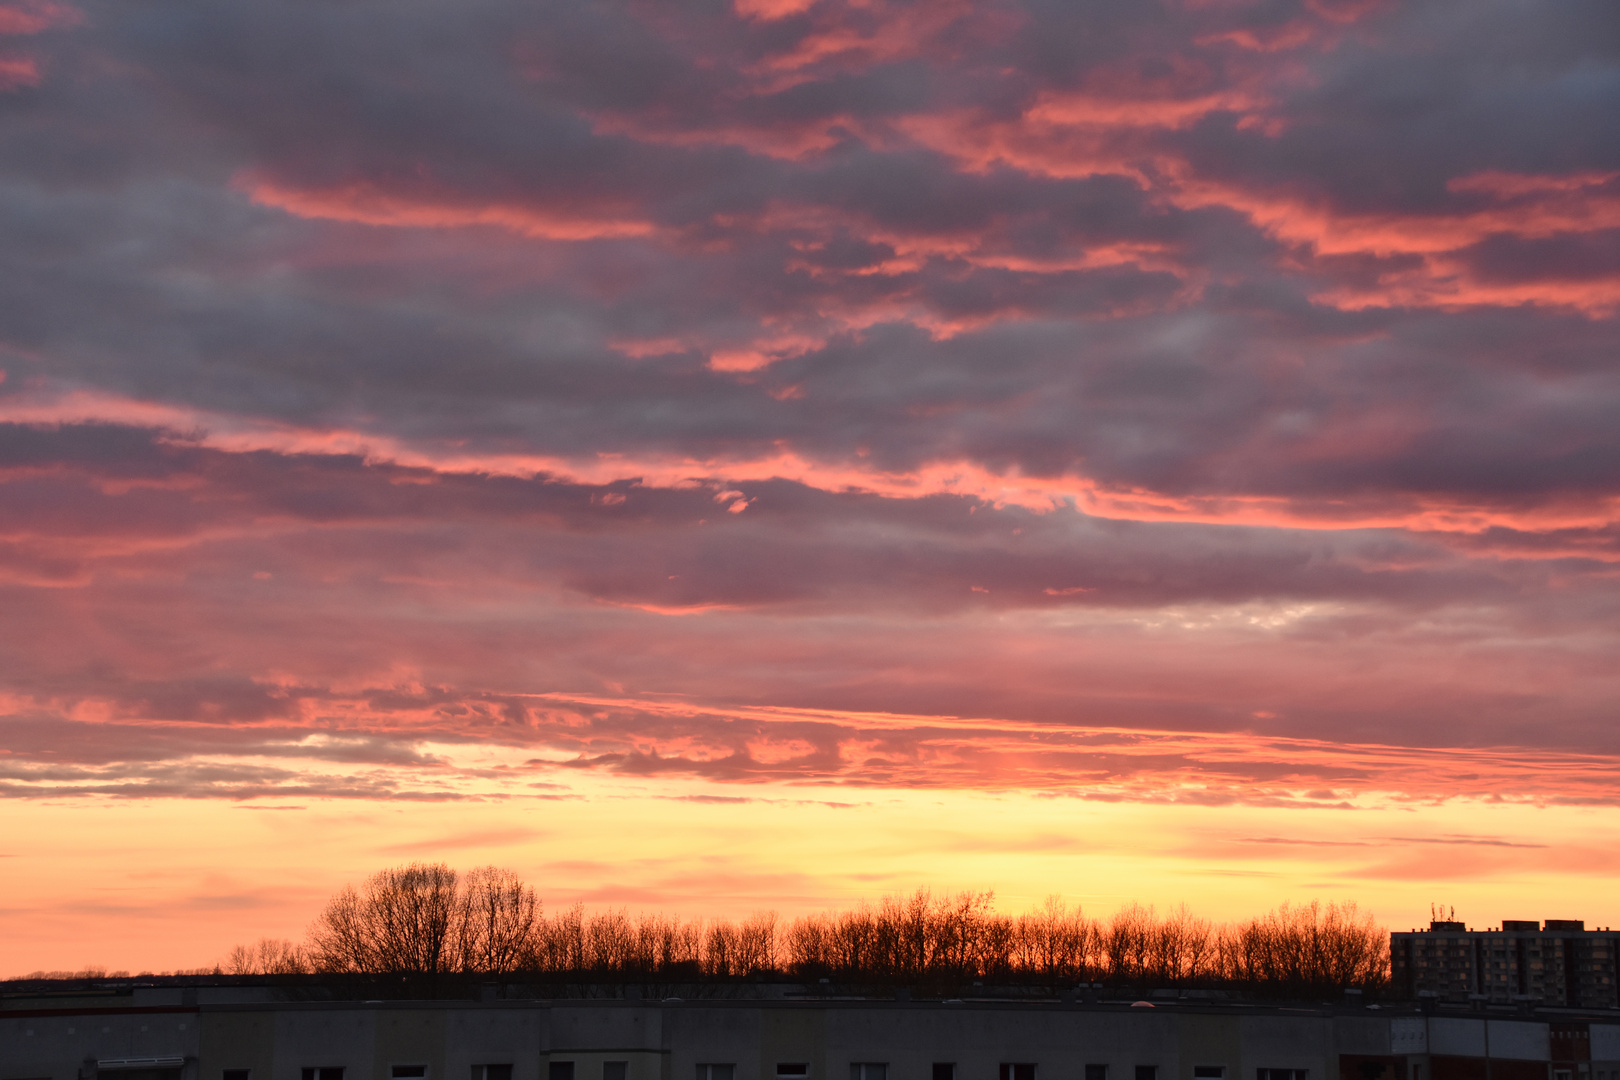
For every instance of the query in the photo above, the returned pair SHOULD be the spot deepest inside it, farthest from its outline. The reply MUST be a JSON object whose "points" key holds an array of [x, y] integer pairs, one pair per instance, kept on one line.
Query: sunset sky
{"points": [[742, 454]]}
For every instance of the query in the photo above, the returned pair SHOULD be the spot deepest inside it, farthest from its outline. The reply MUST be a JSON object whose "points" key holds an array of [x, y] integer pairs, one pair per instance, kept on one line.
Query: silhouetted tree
{"points": [[497, 924], [413, 926], [400, 924], [267, 956]]}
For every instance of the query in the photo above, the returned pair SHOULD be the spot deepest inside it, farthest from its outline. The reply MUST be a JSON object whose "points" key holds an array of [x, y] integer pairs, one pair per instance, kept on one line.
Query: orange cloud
{"points": [[865, 33], [766, 10], [1432, 513], [1530, 207], [366, 203]]}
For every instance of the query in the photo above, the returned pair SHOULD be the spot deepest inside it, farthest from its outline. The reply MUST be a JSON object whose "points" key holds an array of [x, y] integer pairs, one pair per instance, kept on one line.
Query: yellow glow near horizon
{"points": [[169, 884]]}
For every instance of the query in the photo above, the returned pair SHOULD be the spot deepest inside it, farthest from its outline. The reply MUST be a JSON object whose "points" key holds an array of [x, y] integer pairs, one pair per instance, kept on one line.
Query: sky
{"points": [[761, 454]]}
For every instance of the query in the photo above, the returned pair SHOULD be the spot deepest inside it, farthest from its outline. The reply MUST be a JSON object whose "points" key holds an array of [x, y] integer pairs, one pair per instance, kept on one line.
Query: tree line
{"points": [[425, 925]]}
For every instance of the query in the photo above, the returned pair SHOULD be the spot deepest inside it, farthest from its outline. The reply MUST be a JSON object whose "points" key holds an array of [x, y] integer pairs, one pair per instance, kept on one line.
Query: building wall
{"points": [[488, 1035], [1555, 967], [58, 1043], [668, 1041]]}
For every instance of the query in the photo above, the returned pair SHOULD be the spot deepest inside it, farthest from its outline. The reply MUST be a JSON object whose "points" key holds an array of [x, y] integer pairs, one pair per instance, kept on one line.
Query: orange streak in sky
{"points": [[365, 203], [832, 747], [962, 478]]}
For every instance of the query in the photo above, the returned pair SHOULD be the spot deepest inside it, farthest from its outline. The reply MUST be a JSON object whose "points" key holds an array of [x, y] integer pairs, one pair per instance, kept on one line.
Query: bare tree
{"points": [[497, 923], [1179, 947], [756, 943], [422, 921], [610, 942], [1053, 941], [809, 945], [399, 923], [267, 956], [562, 941], [1126, 942]]}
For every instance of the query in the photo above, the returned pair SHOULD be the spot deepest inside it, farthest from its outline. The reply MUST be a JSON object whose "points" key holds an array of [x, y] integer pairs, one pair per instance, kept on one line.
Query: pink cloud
{"points": [[37, 16], [1177, 416], [17, 72]]}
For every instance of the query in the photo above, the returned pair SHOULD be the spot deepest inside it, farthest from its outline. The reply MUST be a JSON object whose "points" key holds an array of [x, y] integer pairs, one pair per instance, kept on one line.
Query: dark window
{"points": [[868, 1070], [560, 1070], [492, 1072], [235, 1074], [1209, 1072], [409, 1072], [615, 1070], [1150, 1072], [1096, 1072], [1283, 1074], [716, 1071], [325, 1072], [944, 1070], [1017, 1070], [792, 1068]]}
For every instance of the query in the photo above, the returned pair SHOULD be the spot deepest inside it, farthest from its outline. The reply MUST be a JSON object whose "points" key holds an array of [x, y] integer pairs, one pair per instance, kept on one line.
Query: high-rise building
{"points": [[1558, 962]]}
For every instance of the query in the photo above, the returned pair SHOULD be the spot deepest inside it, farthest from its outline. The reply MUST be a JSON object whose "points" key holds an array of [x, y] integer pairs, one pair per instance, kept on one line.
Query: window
{"points": [[615, 1070], [716, 1071], [408, 1072], [325, 1072], [868, 1070], [1285, 1074], [1209, 1072], [492, 1072], [235, 1074], [793, 1068], [1017, 1070], [944, 1070], [560, 1070], [1148, 1072], [1096, 1072]]}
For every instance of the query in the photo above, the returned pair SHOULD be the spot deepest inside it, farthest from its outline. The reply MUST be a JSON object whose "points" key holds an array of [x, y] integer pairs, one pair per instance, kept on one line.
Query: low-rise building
{"points": [[192, 1035]]}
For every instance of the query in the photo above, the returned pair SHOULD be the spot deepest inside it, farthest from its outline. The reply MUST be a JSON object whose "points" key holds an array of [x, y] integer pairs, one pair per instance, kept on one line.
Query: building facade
{"points": [[1558, 963], [160, 1035]]}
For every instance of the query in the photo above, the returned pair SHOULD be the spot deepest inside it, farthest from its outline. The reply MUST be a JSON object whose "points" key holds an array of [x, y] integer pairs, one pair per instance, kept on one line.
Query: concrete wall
{"points": [[1456, 1037], [323, 1038], [667, 1041], [1606, 1042], [694, 1035], [1408, 1035], [238, 1040], [58, 1046], [1519, 1039], [500, 1036]]}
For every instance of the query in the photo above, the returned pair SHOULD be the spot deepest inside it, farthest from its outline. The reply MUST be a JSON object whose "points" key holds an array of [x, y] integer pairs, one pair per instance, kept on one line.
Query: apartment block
{"points": [[1557, 962]]}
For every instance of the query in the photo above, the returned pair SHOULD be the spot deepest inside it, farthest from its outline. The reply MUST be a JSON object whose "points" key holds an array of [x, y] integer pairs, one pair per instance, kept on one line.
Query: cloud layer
{"points": [[1208, 402]]}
